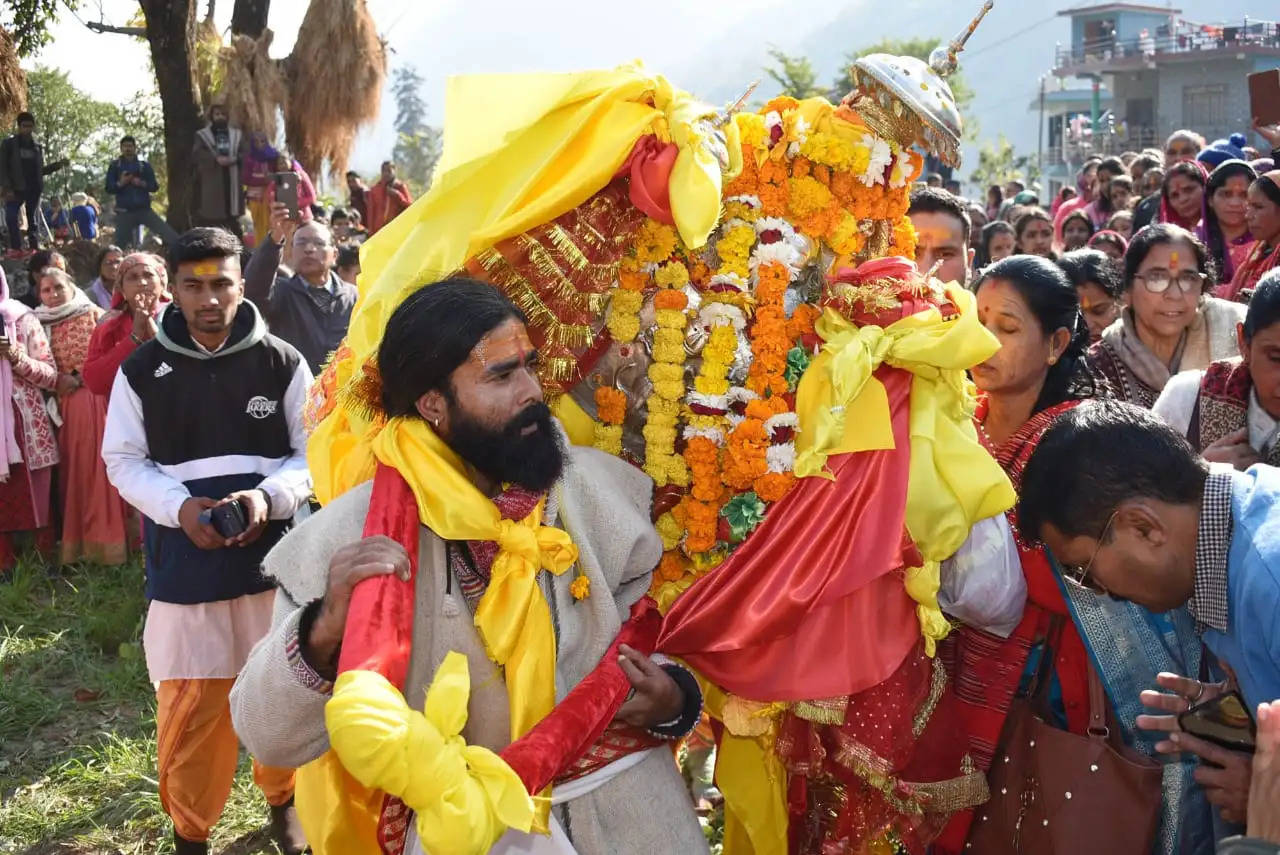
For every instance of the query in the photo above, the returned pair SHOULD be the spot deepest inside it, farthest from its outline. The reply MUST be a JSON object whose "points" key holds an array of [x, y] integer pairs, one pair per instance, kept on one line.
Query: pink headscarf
{"points": [[10, 311], [148, 260]]}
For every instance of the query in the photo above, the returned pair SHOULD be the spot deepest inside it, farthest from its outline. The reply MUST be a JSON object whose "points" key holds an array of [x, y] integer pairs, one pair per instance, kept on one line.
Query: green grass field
{"points": [[77, 723]]}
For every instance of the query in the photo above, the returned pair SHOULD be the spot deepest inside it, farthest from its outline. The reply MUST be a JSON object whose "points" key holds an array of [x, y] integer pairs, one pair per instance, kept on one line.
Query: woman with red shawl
{"points": [[1039, 372], [1263, 217], [1182, 194], [132, 320]]}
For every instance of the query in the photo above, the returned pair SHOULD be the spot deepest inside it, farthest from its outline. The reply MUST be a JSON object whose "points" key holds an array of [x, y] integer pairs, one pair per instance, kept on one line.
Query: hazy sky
{"points": [[444, 37]]}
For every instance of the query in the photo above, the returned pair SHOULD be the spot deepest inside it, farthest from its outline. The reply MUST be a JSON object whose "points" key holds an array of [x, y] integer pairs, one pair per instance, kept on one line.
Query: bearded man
{"points": [[459, 384]]}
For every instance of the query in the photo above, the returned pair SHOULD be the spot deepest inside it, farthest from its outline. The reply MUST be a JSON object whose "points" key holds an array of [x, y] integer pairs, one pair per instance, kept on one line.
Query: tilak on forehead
{"points": [[506, 344], [206, 268], [1173, 260]]}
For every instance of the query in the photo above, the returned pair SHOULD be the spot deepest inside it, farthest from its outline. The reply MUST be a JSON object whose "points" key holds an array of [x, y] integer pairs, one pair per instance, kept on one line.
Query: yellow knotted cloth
{"points": [[513, 618], [953, 481], [464, 796], [519, 151]]}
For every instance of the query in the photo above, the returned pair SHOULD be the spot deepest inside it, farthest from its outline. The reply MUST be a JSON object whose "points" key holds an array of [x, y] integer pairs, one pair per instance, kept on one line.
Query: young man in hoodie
{"points": [[205, 416]]}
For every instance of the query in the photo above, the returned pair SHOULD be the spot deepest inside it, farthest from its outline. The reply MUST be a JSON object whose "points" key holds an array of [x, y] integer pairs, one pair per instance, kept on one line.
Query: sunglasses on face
{"points": [[1157, 281], [1078, 574]]}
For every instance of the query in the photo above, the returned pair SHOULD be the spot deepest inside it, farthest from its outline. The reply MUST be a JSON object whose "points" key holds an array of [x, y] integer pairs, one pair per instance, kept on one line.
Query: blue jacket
{"points": [[1251, 645], [131, 197]]}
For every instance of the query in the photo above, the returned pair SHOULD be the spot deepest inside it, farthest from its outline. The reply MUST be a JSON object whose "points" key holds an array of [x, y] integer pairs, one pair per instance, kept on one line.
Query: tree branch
{"points": [[124, 31]]}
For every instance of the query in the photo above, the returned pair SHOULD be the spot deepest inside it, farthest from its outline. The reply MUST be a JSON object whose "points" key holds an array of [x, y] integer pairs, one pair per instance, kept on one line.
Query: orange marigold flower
{"points": [[774, 486], [670, 298], [611, 405], [671, 567]]}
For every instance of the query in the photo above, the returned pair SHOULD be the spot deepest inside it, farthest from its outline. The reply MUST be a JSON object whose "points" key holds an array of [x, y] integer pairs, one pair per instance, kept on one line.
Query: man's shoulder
{"points": [[300, 561], [281, 350], [143, 361], [604, 480]]}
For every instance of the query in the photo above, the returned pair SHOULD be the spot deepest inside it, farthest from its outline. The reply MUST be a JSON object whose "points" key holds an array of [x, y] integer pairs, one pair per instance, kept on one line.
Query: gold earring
{"points": [[1053, 360]]}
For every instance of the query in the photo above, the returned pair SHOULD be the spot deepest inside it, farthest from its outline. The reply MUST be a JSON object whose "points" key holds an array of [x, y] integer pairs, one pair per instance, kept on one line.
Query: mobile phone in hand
{"points": [[287, 191], [229, 520], [1223, 720]]}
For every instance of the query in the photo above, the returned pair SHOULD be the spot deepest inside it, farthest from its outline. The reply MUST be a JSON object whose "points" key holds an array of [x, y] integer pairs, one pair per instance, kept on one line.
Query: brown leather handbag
{"points": [[1054, 793]]}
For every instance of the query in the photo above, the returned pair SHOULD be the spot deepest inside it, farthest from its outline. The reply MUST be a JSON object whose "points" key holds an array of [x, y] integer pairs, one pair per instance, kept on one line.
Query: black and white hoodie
{"points": [[184, 421]]}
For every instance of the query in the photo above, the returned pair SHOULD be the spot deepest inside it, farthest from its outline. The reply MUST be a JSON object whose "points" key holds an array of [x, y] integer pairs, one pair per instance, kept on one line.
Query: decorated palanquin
{"points": [[726, 299]]}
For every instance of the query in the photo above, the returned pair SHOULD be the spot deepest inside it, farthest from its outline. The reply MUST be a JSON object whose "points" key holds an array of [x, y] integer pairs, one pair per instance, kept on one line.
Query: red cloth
{"points": [[379, 633], [986, 669], [649, 165], [110, 347], [1255, 266], [823, 566], [385, 203]]}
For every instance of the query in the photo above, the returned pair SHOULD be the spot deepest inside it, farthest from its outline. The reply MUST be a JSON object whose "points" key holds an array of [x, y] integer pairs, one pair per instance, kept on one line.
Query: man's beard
{"points": [[505, 455]]}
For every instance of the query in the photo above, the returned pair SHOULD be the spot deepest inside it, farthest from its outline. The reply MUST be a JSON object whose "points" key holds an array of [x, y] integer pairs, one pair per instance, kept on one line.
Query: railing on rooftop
{"points": [[1185, 37]]}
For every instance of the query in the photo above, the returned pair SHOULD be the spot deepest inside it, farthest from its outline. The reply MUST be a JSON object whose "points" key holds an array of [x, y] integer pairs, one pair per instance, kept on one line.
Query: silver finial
{"points": [[943, 58], [723, 117]]}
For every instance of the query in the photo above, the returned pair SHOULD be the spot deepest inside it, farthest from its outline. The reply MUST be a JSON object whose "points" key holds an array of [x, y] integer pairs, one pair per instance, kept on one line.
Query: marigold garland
{"points": [[611, 411], [655, 242], [666, 371]]}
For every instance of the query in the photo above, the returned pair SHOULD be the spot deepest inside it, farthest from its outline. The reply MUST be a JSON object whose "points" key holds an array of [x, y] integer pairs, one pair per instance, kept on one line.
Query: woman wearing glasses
{"points": [[1039, 373], [1230, 412], [1170, 324]]}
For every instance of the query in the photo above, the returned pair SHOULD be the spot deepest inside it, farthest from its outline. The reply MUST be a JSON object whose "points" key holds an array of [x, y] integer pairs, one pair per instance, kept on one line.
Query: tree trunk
{"points": [[249, 17], [171, 34]]}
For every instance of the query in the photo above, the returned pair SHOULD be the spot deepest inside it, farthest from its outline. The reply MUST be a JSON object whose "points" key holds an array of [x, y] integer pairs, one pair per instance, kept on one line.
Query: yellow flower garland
{"points": [[666, 371]]}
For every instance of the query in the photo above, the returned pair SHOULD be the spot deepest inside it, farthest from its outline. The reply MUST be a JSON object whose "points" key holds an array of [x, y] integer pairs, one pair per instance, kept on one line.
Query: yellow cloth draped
{"points": [[464, 796], [519, 151], [749, 775], [953, 481], [512, 618]]}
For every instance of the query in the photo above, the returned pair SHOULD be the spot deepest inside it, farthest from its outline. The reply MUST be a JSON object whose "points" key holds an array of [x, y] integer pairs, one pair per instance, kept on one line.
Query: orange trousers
{"points": [[197, 753]]}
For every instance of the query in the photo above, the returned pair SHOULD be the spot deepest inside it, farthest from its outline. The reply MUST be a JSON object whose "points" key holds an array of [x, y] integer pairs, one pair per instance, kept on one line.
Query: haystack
{"points": [[335, 78], [13, 81], [253, 84]]}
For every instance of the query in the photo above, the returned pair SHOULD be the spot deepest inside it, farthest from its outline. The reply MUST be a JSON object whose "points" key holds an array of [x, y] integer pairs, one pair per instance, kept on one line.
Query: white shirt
{"points": [[1178, 401]]}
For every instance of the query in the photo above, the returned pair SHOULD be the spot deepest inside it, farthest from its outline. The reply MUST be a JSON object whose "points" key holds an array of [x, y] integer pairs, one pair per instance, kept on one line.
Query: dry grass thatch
{"points": [[209, 72], [253, 84], [335, 79], [13, 81]]}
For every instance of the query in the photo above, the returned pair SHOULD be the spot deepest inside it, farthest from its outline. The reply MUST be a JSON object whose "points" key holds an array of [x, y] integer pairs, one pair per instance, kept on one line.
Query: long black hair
{"points": [[1085, 266], [982, 257], [1055, 304], [1213, 237], [433, 332]]}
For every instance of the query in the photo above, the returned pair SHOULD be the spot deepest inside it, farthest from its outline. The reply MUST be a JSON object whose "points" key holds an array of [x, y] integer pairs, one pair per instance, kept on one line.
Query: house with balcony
{"points": [[1162, 72], [1067, 135]]}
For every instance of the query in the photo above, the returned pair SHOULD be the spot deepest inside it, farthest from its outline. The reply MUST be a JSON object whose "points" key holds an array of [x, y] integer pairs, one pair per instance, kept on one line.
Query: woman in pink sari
{"points": [[28, 449], [93, 515]]}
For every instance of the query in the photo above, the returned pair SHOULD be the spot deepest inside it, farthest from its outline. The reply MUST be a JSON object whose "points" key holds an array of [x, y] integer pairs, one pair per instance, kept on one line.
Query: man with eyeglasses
{"points": [[307, 304], [1128, 509]]}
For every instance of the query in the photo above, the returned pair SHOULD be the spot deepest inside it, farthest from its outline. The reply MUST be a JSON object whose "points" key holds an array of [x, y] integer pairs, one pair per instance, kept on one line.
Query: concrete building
{"points": [[1153, 72]]}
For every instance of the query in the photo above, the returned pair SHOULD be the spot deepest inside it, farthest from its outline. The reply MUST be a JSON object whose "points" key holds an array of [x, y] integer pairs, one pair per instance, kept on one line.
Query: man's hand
{"points": [[202, 534], [282, 225], [1223, 773], [67, 383], [1264, 789], [350, 565], [1234, 449], [257, 513], [655, 698], [1270, 133], [1183, 694]]}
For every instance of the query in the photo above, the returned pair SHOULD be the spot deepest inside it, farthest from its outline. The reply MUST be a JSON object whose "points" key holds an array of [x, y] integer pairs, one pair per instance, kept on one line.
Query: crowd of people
{"points": [[236, 176], [1134, 404]]}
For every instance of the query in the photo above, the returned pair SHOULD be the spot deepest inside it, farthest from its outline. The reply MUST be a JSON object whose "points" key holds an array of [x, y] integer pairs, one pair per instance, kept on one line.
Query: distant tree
{"points": [[998, 163], [72, 125], [794, 74], [417, 142], [29, 21], [920, 49]]}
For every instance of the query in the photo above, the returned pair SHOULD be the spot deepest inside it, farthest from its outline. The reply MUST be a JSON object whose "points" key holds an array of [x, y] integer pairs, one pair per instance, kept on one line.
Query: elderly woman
{"points": [[28, 448], [1170, 324], [93, 515], [142, 294], [1230, 412]]}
